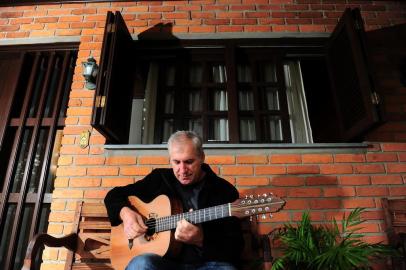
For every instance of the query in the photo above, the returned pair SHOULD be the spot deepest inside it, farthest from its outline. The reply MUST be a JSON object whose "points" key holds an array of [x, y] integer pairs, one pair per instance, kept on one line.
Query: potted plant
{"points": [[327, 247]]}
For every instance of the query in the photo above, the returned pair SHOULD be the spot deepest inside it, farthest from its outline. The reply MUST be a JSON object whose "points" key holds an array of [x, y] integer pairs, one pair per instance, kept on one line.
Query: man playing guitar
{"points": [[215, 244]]}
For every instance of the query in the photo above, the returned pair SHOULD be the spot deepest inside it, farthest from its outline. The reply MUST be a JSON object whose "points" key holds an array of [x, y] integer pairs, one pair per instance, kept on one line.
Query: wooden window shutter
{"points": [[353, 93], [10, 68], [112, 106]]}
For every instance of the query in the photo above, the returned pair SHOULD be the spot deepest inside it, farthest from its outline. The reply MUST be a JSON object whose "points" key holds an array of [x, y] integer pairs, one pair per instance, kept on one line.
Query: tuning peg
{"points": [[251, 196], [250, 218], [270, 215], [263, 216], [265, 195], [257, 217], [246, 196]]}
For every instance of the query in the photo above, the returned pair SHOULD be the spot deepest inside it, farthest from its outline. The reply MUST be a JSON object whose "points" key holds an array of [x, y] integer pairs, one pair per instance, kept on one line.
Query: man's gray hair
{"points": [[182, 135]]}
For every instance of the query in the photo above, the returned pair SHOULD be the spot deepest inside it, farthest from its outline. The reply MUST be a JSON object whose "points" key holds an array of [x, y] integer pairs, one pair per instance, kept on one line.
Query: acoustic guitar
{"points": [[161, 217]]}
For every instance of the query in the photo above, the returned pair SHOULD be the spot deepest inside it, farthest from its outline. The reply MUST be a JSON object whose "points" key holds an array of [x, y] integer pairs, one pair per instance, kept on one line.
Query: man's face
{"points": [[185, 162]]}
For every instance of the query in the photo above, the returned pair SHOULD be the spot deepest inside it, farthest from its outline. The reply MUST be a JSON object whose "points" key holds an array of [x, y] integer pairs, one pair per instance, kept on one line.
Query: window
{"points": [[225, 93], [286, 90]]}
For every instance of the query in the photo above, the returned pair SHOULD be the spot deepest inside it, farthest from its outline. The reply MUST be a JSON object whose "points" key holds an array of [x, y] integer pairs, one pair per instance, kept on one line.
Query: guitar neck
{"points": [[195, 217]]}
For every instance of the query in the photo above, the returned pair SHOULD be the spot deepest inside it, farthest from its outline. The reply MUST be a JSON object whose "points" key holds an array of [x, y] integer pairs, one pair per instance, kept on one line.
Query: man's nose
{"points": [[182, 166]]}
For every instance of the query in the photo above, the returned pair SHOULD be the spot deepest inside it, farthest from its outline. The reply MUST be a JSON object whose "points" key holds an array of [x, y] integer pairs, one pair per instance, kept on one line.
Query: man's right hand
{"points": [[133, 223]]}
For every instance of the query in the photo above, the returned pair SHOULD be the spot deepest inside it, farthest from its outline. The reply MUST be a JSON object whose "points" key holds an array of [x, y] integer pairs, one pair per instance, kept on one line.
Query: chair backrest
{"points": [[395, 215], [93, 228]]}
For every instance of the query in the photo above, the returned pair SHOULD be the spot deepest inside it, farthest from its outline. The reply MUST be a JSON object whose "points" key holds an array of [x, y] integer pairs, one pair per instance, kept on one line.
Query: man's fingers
{"points": [[141, 223]]}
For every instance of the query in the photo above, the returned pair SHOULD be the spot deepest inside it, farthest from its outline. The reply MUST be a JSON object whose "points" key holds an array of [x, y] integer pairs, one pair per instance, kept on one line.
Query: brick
{"points": [[355, 180], [89, 160], [17, 35], [202, 29], [372, 215], [50, 254], [369, 168], [121, 160], [351, 158], [394, 147], [386, 179], [176, 15], [339, 192], [84, 11], [242, 7], [287, 181], [296, 204], [397, 191], [55, 228], [144, 170], [160, 160], [60, 182], [84, 182], [70, 171], [73, 150], [64, 32], [325, 204], [58, 205], [402, 157], [216, 21], [372, 191], [52, 266], [317, 158], [260, 170], [67, 193], [396, 167], [252, 159], [321, 180], [303, 169], [283, 28], [202, 15], [114, 182], [220, 160], [103, 171], [237, 170], [11, 14], [335, 169], [381, 157], [304, 192], [282, 159], [65, 160], [355, 202], [257, 28], [252, 181], [227, 28], [229, 15], [95, 194], [96, 139], [283, 15], [243, 21]]}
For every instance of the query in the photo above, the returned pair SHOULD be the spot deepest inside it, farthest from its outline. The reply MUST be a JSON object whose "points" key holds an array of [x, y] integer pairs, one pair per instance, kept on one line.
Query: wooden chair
{"points": [[395, 219]]}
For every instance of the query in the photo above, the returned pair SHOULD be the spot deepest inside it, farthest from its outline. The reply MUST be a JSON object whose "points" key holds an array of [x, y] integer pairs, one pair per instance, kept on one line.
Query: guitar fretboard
{"points": [[195, 217]]}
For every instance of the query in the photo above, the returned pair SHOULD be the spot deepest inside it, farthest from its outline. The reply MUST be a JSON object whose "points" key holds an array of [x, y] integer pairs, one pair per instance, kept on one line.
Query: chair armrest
{"points": [[39, 240]]}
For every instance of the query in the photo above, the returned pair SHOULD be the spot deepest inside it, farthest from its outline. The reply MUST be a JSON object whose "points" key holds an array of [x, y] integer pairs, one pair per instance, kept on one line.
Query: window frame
{"points": [[147, 50]]}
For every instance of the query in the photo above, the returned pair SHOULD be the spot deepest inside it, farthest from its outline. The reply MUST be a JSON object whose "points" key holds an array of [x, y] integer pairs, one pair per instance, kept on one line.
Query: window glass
{"points": [[218, 128]]}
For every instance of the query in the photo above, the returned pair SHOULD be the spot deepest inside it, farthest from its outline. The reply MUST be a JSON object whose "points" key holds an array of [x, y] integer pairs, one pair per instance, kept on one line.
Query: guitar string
{"points": [[198, 215]]}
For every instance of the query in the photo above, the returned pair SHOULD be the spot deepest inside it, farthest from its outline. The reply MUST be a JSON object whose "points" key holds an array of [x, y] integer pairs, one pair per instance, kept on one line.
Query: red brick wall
{"points": [[328, 183]]}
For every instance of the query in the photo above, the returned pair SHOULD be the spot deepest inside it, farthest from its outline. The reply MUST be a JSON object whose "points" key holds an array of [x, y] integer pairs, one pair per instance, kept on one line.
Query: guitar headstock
{"points": [[256, 204]]}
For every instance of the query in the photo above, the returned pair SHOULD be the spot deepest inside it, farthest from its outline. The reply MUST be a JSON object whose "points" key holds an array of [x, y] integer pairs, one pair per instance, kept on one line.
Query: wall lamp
{"points": [[90, 69]]}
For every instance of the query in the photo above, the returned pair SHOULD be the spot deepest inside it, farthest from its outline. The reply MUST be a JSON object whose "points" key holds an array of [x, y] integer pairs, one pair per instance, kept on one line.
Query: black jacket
{"points": [[222, 238]]}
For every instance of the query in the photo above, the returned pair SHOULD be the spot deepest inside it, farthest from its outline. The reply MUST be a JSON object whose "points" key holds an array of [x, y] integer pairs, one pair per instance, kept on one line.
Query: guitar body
{"points": [[160, 243]]}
